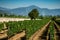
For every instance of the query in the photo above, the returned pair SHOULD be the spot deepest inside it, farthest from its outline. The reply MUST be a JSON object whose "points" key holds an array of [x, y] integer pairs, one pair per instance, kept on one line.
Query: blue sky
{"points": [[50, 4]]}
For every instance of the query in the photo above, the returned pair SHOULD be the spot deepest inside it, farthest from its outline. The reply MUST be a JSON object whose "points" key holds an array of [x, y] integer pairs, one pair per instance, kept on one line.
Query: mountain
{"points": [[25, 10], [4, 10], [1, 8]]}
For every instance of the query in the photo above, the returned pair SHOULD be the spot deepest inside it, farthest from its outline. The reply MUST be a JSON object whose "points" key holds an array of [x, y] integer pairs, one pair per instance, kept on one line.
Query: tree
{"points": [[5, 14], [33, 14], [40, 17], [1, 14], [53, 18]]}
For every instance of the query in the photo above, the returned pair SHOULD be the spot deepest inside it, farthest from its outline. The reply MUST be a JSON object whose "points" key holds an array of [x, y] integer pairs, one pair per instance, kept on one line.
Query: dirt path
{"points": [[14, 19], [58, 19], [18, 36], [11, 19], [56, 32], [36, 35], [48, 35], [3, 34], [58, 27]]}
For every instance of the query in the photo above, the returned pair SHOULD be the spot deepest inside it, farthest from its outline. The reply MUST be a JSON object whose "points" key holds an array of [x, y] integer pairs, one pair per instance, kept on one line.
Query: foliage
{"points": [[51, 30], [1, 26], [33, 14], [14, 27], [34, 25], [11, 15], [41, 17], [53, 18]]}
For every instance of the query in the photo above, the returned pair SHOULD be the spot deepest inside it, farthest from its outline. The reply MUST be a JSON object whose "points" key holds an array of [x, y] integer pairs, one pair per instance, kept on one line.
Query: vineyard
{"points": [[44, 29], [1, 26]]}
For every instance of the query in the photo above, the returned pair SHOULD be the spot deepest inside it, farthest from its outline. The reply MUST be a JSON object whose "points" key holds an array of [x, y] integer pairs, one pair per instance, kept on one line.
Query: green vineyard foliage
{"points": [[1, 26]]}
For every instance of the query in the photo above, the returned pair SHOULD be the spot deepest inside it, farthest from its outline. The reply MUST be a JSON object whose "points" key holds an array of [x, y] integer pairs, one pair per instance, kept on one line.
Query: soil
{"points": [[17, 36], [3, 34]]}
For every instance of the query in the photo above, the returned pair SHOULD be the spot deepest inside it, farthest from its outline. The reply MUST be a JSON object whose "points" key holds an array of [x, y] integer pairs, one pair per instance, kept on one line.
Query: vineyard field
{"points": [[30, 27]]}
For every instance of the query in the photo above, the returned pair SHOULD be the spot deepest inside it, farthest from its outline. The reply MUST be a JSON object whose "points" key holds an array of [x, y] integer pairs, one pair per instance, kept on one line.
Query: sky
{"points": [[11, 4]]}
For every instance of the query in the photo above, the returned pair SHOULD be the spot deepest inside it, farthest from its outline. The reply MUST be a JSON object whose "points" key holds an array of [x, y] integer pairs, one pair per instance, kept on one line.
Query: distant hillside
{"points": [[25, 10]]}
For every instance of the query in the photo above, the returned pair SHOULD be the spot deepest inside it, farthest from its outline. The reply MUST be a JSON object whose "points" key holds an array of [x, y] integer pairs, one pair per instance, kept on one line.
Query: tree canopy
{"points": [[33, 14]]}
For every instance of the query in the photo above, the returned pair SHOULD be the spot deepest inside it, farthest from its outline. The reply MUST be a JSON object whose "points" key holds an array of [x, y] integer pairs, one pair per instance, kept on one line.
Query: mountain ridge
{"points": [[25, 10]]}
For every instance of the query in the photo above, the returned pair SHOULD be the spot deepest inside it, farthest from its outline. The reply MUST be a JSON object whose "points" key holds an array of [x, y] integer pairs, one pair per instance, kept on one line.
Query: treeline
{"points": [[43, 17], [11, 15], [33, 15]]}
